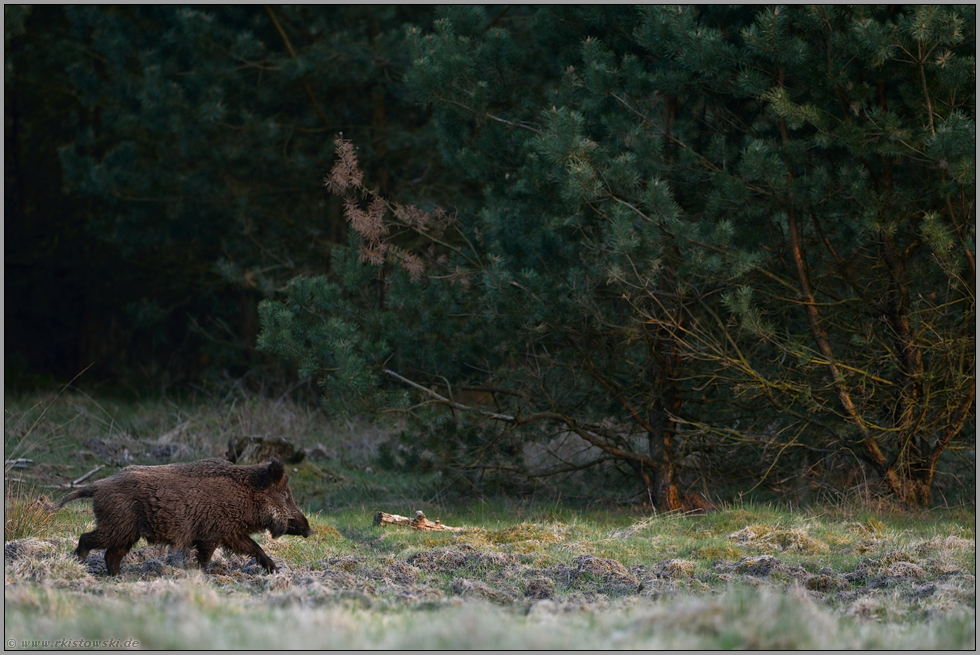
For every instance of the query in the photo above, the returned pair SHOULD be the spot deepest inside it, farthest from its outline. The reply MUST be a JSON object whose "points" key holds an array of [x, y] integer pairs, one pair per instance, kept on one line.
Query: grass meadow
{"points": [[544, 574]]}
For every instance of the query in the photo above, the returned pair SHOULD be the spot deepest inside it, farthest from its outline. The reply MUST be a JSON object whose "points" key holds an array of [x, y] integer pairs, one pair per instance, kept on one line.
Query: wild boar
{"points": [[202, 504]]}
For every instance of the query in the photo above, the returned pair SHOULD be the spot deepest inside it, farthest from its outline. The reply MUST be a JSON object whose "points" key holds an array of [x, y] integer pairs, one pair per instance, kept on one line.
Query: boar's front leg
{"points": [[245, 545]]}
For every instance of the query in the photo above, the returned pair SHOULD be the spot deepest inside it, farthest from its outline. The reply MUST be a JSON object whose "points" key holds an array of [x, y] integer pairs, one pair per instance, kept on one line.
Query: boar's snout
{"points": [[299, 527]]}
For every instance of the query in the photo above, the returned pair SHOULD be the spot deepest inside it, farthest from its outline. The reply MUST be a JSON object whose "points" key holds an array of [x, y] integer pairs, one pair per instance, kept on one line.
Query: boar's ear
{"points": [[276, 470], [266, 476]]}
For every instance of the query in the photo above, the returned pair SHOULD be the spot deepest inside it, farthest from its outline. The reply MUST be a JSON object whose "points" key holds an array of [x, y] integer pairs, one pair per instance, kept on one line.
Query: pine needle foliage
{"points": [[188, 142], [717, 244]]}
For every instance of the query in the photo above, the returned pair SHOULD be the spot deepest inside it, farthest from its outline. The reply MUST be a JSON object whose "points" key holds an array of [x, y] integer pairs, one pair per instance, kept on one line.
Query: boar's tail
{"points": [[82, 492]]}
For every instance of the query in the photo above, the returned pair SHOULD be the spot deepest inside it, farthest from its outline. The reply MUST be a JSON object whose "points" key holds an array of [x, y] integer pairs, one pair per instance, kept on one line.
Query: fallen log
{"points": [[418, 523]]}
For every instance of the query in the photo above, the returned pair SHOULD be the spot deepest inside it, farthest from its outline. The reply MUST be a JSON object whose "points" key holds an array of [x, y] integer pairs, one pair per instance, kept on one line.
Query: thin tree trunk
{"points": [[872, 449]]}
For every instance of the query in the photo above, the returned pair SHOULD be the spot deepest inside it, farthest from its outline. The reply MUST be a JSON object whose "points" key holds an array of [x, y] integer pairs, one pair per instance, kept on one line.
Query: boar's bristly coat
{"points": [[200, 505]]}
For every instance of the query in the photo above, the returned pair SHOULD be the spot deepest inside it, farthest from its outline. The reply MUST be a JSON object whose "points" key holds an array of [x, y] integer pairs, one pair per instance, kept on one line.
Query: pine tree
{"points": [[714, 243], [195, 139]]}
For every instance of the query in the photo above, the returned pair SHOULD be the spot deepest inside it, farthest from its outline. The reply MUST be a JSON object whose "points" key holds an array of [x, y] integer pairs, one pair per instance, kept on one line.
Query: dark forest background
{"points": [[718, 247]]}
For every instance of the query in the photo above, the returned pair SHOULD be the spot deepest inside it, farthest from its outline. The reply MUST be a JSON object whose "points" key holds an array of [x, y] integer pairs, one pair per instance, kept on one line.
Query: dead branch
{"points": [[87, 475], [418, 523]]}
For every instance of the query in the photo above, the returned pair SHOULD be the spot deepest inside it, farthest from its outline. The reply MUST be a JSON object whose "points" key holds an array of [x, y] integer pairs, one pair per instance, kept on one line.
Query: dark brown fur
{"points": [[203, 505]]}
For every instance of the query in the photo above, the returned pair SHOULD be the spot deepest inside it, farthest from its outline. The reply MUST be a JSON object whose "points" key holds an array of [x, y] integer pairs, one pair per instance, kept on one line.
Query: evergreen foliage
{"points": [[708, 241], [195, 140]]}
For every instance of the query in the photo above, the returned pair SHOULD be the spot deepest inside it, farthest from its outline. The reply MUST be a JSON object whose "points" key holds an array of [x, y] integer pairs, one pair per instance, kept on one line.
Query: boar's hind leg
{"points": [[247, 546], [87, 542], [205, 549], [115, 549], [114, 555]]}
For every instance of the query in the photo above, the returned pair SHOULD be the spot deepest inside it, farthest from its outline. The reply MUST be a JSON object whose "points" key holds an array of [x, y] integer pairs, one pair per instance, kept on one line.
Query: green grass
{"points": [[522, 575]]}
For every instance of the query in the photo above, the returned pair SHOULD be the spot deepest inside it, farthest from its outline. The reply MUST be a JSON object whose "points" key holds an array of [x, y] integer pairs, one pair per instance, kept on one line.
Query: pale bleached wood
{"points": [[418, 523]]}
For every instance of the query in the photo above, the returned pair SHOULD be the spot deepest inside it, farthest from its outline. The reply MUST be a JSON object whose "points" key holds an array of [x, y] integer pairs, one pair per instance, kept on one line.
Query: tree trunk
{"points": [[666, 489]]}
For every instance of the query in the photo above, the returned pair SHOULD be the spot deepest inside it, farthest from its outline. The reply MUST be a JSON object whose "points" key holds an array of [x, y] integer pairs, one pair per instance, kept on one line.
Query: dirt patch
{"points": [[340, 579], [450, 560], [755, 565], [822, 583], [607, 570], [469, 587], [395, 572], [590, 575], [756, 568], [539, 588]]}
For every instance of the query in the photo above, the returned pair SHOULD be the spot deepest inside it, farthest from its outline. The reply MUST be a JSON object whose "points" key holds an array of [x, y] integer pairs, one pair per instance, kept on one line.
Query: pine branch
{"points": [[292, 53]]}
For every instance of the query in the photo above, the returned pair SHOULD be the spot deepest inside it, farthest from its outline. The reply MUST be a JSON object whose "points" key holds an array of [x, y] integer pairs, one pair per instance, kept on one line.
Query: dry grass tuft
{"points": [[24, 515], [608, 570], [950, 543], [38, 560], [676, 568], [769, 539], [905, 570]]}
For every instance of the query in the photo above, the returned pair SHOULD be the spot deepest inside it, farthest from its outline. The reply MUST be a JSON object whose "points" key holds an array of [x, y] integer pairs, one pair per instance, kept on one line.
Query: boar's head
{"points": [[281, 514]]}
